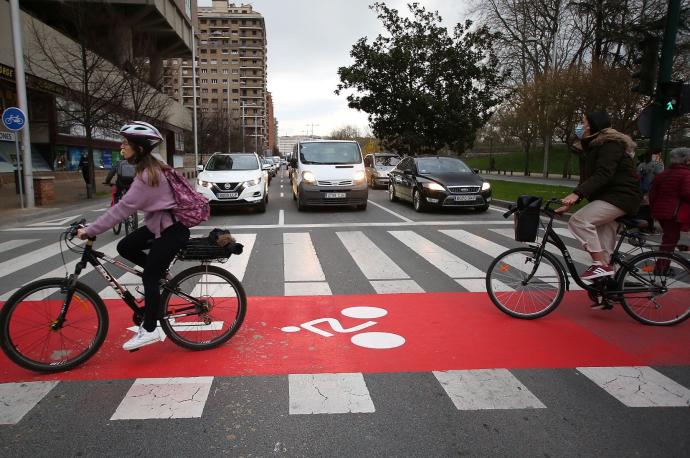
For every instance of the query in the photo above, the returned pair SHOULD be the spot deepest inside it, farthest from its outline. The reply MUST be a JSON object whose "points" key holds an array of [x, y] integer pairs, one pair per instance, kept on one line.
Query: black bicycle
{"points": [[529, 282], [55, 324], [131, 222]]}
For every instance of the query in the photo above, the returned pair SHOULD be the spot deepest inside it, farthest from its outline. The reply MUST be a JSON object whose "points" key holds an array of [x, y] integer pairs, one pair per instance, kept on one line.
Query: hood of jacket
{"points": [[612, 135]]}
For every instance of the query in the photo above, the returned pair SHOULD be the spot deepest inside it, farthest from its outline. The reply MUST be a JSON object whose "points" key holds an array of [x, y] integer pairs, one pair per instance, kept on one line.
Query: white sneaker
{"points": [[142, 338]]}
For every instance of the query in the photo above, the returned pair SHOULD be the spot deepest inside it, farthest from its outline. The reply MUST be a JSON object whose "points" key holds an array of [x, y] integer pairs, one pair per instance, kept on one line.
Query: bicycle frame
{"points": [[93, 257], [550, 236]]}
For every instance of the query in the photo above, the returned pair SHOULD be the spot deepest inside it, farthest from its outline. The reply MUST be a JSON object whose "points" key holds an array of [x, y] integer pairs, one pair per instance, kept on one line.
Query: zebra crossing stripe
{"points": [[464, 273], [329, 393], [108, 249], [638, 386], [178, 397], [302, 269], [384, 274], [17, 399], [37, 256], [485, 389], [579, 256], [12, 244]]}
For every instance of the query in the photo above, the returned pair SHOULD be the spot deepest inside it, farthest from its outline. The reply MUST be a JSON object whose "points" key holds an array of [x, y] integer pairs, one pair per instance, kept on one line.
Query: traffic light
{"points": [[648, 63], [671, 93]]}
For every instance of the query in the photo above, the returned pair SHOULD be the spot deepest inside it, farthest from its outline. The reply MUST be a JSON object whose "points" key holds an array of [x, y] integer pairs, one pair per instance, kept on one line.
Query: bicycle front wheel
{"points": [[513, 294], [217, 315], [31, 337], [117, 228], [656, 288]]}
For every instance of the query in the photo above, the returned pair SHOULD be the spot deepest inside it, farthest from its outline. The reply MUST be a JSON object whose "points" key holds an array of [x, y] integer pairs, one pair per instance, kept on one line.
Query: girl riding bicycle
{"points": [[161, 234]]}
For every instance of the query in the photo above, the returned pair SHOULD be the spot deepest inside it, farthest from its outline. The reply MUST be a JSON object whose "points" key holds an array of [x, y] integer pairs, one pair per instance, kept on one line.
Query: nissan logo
{"points": [[227, 186]]}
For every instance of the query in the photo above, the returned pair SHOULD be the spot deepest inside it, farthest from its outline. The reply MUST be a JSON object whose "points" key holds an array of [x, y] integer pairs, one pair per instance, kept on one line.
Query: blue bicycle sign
{"points": [[13, 118]]}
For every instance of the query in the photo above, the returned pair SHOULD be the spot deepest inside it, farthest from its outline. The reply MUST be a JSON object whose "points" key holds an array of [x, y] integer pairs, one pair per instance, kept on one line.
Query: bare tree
{"points": [[347, 132]]}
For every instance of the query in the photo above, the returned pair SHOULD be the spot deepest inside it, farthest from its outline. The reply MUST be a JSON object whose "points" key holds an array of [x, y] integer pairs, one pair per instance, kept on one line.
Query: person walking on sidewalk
{"points": [[85, 167], [669, 198], [161, 234], [611, 185]]}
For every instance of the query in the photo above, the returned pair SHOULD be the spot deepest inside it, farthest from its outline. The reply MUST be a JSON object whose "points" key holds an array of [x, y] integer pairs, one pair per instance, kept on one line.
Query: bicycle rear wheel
{"points": [[28, 335], [540, 296], [656, 288], [221, 315]]}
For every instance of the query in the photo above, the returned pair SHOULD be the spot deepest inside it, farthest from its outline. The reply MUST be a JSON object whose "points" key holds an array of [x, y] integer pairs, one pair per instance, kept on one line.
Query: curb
{"points": [[27, 215]]}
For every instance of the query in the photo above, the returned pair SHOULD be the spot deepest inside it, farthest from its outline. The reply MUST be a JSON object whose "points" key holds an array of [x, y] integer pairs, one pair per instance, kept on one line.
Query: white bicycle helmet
{"points": [[141, 132]]}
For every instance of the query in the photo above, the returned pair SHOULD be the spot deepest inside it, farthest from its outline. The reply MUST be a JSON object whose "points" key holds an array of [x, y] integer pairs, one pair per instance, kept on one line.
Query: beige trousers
{"points": [[595, 226]]}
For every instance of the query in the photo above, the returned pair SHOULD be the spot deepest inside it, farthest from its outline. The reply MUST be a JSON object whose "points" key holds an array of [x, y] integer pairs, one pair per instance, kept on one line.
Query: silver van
{"points": [[377, 167]]}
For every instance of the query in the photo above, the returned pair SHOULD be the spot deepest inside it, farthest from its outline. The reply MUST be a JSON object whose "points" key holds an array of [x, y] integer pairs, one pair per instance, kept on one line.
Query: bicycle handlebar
{"points": [[72, 229]]}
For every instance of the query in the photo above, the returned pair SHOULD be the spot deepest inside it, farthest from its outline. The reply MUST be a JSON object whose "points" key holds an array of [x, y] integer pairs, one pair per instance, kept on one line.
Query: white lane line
{"points": [[56, 222], [301, 265], [565, 232], [463, 272], [376, 265], [17, 399], [328, 393], [638, 386], [486, 389], [12, 244], [36, 256], [281, 215], [282, 195], [397, 215], [164, 398]]}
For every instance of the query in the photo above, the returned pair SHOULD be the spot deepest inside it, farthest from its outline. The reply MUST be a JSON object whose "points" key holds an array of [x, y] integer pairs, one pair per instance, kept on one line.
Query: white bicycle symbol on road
{"points": [[373, 340]]}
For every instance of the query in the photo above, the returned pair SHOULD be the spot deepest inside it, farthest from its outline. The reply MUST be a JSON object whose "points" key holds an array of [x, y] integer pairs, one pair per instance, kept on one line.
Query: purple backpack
{"points": [[192, 207]]}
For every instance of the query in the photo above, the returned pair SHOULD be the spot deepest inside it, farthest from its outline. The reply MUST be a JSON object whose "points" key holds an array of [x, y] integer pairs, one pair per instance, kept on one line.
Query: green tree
{"points": [[423, 88]]}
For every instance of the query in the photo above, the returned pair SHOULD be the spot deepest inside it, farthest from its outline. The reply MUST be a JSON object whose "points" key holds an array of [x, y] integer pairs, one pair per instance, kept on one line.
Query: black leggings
{"points": [[161, 252]]}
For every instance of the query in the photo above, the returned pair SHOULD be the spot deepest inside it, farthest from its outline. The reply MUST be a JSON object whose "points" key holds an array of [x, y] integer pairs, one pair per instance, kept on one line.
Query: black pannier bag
{"points": [[527, 218]]}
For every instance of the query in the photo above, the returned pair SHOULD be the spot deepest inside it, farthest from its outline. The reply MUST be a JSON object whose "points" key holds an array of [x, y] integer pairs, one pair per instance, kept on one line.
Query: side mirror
{"points": [[199, 168], [476, 171]]}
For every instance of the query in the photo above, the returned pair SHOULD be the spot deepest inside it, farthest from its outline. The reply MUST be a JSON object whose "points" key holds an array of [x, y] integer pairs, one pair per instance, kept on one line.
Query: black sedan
{"points": [[438, 181]]}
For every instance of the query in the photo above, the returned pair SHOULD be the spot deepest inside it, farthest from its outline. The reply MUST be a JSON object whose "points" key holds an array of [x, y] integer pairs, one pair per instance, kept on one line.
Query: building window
{"points": [[214, 81], [214, 70], [224, 51], [235, 71], [204, 81], [234, 62], [214, 62], [225, 71], [235, 101], [203, 70], [234, 52], [214, 91], [204, 91]]}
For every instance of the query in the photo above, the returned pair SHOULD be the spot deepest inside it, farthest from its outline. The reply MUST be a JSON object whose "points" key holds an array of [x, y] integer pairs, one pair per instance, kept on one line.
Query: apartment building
{"points": [[231, 77]]}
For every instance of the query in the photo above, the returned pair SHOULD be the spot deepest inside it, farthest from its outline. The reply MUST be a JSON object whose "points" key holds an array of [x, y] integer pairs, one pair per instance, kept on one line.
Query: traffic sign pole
{"points": [[19, 169], [20, 79]]}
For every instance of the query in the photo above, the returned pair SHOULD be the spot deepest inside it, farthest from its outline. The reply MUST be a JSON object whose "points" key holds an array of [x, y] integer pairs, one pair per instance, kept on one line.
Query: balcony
{"points": [[164, 20]]}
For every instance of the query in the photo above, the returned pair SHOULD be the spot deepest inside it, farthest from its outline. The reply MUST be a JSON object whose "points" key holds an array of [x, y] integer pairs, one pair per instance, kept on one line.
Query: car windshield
{"points": [[232, 162], [387, 161], [330, 153], [442, 165]]}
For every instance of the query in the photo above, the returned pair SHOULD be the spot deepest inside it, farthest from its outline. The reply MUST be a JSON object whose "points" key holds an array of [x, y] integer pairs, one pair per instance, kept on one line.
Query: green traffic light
{"points": [[669, 106]]}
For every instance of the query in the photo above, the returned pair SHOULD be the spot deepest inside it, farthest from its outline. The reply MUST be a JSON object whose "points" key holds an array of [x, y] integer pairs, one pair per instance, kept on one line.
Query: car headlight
{"points": [[486, 186], [432, 186], [308, 177], [253, 182], [360, 175], [205, 184]]}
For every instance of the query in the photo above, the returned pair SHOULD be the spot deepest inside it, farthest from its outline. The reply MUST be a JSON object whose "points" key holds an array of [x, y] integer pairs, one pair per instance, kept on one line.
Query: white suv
{"points": [[234, 179]]}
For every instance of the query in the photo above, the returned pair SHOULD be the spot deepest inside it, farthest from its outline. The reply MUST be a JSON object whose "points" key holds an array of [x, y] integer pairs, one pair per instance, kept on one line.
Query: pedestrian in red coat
{"points": [[669, 198]]}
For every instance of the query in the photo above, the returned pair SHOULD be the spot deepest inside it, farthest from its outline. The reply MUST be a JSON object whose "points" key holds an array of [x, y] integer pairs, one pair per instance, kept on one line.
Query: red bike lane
{"points": [[388, 333]]}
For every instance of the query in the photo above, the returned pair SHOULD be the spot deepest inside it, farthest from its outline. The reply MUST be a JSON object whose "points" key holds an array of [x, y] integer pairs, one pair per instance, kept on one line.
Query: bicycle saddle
{"points": [[632, 222]]}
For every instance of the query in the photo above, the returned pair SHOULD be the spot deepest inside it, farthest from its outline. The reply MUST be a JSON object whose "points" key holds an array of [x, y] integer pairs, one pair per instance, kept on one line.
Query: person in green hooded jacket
{"points": [[610, 183]]}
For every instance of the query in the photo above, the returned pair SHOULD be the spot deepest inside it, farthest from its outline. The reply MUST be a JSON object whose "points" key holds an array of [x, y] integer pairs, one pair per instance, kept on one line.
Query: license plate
{"points": [[228, 195], [465, 198], [335, 195]]}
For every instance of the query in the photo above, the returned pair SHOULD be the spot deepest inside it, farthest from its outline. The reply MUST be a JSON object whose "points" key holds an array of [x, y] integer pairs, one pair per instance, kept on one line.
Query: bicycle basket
{"points": [[201, 249], [527, 218]]}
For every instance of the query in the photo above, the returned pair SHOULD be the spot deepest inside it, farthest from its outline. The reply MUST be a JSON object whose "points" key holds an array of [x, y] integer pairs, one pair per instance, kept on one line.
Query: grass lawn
{"points": [[515, 161], [511, 190]]}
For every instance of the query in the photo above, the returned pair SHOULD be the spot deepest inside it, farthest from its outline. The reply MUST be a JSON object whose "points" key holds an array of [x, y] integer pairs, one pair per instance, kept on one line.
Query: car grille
{"points": [[463, 189], [225, 187], [335, 183]]}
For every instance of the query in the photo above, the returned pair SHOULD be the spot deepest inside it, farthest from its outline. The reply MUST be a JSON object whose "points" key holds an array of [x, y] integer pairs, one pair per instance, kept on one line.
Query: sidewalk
{"points": [[70, 198], [554, 179]]}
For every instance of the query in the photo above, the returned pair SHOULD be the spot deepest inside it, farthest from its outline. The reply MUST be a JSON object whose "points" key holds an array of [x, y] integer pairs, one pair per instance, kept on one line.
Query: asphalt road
{"points": [[457, 377]]}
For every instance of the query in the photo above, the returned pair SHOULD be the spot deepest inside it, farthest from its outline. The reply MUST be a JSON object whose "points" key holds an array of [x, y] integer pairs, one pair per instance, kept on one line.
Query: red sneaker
{"points": [[596, 271]]}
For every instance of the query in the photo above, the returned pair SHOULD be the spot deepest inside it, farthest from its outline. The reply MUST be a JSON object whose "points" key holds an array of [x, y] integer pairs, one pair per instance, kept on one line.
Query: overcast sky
{"points": [[307, 41]]}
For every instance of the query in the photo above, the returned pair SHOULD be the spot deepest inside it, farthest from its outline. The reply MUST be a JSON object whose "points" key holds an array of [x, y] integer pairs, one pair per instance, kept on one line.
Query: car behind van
{"points": [[328, 172]]}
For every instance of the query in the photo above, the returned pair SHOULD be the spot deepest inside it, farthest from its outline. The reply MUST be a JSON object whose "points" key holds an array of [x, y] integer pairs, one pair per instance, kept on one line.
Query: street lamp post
{"points": [[242, 107], [229, 117], [547, 135]]}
